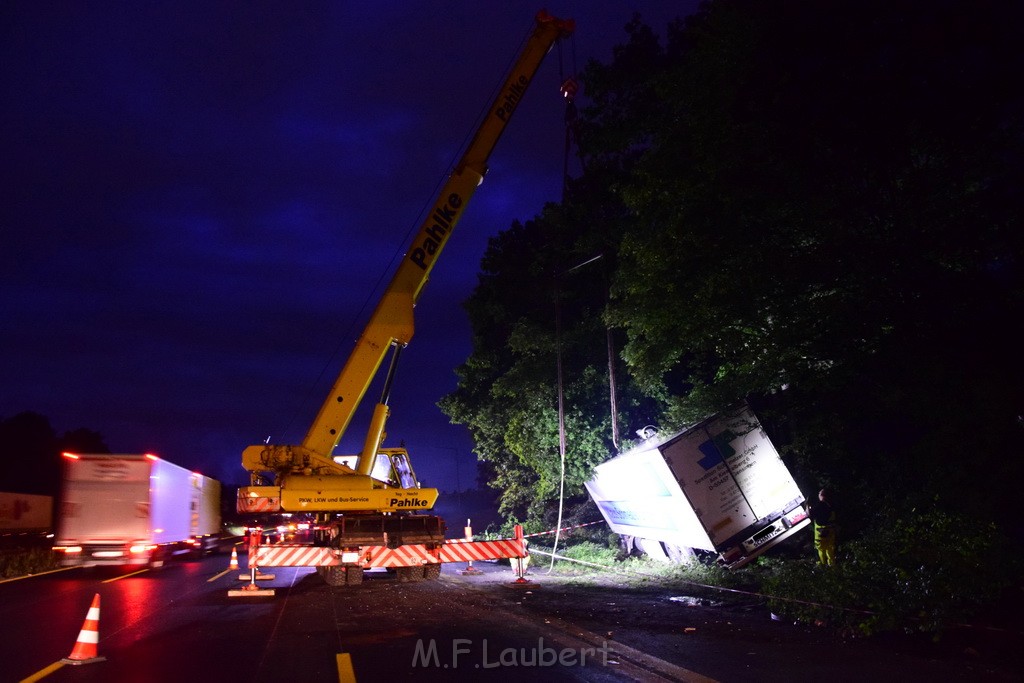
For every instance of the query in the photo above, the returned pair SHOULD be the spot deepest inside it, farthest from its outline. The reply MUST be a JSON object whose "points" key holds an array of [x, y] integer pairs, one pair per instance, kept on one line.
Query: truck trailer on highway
{"points": [[134, 510], [25, 514], [718, 486]]}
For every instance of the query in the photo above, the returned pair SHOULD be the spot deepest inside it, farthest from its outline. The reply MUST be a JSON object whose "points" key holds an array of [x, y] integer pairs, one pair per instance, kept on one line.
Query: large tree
{"points": [[825, 200], [810, 205], [537, 307], [30, 452]]}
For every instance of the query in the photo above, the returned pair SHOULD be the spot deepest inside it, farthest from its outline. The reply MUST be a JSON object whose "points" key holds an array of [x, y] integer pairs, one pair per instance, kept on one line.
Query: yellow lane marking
{"points": [[346, 674], [217, 576], [125, 576], [29, 576], [42, 673]]}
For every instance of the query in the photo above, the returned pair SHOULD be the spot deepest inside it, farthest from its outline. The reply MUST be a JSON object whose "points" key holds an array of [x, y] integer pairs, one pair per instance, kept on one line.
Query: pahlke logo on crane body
{"points": [[443, 218], [407, 503], [512, 97]]}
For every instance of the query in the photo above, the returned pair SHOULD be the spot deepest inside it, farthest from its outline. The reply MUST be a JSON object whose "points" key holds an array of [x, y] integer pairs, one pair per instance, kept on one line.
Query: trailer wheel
{"points": [[678, 554], [431, 572]]}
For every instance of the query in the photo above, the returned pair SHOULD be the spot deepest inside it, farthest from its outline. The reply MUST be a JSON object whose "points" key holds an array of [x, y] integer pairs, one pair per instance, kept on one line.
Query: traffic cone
{"points": [[233, 567], [84, 651]]}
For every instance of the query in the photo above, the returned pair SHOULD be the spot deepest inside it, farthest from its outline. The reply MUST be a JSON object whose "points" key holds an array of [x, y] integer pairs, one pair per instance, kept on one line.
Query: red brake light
{"points": [[71, 456]]}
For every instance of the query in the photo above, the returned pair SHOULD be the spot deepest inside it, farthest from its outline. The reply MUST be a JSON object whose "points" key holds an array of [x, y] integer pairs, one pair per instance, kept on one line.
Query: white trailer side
{"points": [[718, 485]]}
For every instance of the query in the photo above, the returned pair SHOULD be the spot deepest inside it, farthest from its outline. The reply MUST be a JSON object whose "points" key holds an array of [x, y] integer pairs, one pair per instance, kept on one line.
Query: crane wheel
{"points": [[409, 574], [431, 572], [341, 576]]}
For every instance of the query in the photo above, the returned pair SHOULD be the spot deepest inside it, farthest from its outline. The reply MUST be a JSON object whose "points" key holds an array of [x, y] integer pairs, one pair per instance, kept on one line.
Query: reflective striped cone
{"points": [[84, 651], [234, 560]]}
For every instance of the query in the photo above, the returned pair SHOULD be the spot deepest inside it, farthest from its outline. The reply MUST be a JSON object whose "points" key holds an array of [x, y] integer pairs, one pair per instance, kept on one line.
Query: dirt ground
{"points": [[662, 618]]}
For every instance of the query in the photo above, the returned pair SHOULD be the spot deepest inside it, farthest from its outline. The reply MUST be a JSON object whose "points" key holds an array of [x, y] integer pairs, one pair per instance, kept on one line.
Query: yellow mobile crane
{"points": [[368, 508]]}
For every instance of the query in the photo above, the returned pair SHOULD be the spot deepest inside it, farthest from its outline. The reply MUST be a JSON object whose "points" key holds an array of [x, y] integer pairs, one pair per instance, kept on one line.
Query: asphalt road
{"points": [[179, 624]]}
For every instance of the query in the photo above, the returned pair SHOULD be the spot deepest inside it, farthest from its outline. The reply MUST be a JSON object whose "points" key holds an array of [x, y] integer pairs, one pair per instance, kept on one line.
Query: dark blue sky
{"points": [[200, 198]]}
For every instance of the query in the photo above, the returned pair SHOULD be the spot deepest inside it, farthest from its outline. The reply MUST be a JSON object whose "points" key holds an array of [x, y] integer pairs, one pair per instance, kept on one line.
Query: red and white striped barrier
{"points": [[452, 550], [295, 556], [402, 556], [476, 551]]}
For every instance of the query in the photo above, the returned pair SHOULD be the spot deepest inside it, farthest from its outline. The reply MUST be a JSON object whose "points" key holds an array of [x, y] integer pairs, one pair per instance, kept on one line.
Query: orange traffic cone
{"points": [[234, 560], [84, 651]]}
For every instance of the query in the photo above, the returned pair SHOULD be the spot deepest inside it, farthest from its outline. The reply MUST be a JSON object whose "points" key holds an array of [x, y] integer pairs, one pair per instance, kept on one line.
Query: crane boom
{"points": [[305, 476], [392, 320]]}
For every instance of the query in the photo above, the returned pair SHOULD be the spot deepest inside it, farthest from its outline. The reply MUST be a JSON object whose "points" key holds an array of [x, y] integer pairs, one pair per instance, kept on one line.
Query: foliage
{"points": [[829, 211], [24, 561], [923, 572], [809, 205], [530, 313], [30, 450], [588, 551], [928, 572]]}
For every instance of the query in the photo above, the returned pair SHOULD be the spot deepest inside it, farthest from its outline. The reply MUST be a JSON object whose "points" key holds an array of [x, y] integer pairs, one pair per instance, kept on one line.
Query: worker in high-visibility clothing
{"points": [[824, 518]]}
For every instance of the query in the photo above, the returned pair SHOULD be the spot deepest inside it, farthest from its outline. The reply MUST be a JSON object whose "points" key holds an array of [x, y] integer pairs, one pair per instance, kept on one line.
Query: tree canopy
{"points": [[809, 205], [30, 450]]}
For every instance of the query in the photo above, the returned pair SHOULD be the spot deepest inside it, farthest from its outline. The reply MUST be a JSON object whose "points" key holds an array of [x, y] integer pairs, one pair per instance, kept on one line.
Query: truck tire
{"points": [[341, 576], [354, 576], [409, 574], [678, 554]]}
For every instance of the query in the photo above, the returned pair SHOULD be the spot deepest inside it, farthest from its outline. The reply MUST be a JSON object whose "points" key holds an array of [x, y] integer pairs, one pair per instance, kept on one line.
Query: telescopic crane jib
{"points": [[373, 497]]}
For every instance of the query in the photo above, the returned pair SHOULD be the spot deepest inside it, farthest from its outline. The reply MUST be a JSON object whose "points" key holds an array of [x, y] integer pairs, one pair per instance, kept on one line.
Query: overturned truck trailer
{"points": [[719, 485]]}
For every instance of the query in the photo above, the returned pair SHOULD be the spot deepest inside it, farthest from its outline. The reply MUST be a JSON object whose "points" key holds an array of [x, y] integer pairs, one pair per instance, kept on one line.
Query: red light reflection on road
{"points": [[137, 596]]}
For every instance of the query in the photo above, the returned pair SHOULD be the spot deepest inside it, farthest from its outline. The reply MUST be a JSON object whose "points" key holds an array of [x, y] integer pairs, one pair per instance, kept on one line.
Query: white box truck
{"points": [[133, 510], [25, 513], [719, 485]]}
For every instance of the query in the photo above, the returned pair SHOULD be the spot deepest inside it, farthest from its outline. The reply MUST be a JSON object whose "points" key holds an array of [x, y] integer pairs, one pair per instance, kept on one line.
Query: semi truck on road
{"points": [[25, 513], [134, 510], [718, 486]]}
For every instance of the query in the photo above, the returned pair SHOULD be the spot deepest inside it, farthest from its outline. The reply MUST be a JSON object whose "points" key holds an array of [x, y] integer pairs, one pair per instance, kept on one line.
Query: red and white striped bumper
{"points": [[280, 555]]}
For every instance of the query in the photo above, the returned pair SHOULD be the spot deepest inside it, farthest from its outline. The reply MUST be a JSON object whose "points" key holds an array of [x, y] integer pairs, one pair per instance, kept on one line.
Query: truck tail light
{"points": [[68, 549], [796, 515], [137, 548]]}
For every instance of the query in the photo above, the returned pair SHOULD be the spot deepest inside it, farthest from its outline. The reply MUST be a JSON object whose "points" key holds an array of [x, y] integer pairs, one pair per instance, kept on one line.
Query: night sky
{"points": [[201, 202]]}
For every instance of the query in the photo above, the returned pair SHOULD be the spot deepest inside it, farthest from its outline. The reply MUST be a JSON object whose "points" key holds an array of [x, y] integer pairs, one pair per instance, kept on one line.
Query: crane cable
{"points": [[569, 88]]}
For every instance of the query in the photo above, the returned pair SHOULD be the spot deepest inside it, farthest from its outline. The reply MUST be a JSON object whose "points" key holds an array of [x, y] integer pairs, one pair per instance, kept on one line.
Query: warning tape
{"points": [[568, 528]]}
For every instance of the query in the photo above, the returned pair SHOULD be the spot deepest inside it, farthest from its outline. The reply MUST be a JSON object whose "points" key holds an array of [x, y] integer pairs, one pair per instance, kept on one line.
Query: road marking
{"points": [[29, 576], [214, 578], [118, 578], [659, 667], [346, 674], [630, 662], [42, 673]]}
